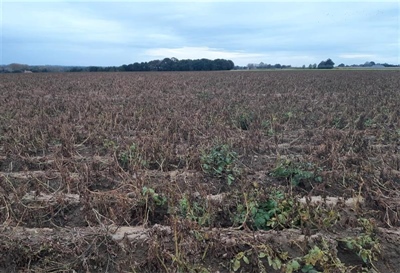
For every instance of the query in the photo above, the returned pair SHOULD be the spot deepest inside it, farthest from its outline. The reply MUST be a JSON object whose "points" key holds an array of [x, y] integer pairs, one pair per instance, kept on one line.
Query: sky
{"points": [[109, 33]]}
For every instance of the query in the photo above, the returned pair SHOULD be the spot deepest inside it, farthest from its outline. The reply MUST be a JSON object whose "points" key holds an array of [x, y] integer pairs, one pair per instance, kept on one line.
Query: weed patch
{"points": [[221, 162], [296, 173]]}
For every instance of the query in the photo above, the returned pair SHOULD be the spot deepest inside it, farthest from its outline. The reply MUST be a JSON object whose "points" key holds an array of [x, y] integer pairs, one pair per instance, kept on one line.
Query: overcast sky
{"points": [[106, 33]]}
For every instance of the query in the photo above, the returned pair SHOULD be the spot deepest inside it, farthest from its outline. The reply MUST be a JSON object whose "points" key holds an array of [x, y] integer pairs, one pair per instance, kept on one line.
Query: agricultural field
{"points": [[264, 171]]}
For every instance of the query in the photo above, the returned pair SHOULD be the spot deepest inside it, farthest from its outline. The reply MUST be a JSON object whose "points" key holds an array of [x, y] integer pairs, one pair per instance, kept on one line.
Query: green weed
{"points": [[277, 211], [273, 212], [266, 125], [339, 122], [365, 245], [244, 120], [150, 195], [194, 211], [368, 122], [131, 157], [319, 256], [295, 173], [221, 162]]}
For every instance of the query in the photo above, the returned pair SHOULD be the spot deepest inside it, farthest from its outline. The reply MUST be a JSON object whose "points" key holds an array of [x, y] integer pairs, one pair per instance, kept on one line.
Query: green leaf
{"points": [[284, 255], [364, 254], [276, 264], [230, 179], [349, 244], [246, 260], [262, 255], [307, 268], [236, 265], [259, 222], [294, 265], [239, 255], [282, 218], [269, 261]]}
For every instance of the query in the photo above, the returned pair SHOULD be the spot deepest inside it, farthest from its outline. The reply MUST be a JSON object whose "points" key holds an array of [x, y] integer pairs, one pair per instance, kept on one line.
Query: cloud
{"points": [[57, 22], [200, 52], [357, 56], [112, 33], [238, 57]]}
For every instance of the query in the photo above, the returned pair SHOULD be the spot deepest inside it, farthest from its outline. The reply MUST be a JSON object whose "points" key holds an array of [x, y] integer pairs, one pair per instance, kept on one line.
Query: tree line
{"points": [[173, 64], [167, 64], [264, 66], [328, 64]]}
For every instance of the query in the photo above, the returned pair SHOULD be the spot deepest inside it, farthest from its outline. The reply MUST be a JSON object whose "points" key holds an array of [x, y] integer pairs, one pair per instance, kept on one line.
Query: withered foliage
{"points": [[81, 153]]}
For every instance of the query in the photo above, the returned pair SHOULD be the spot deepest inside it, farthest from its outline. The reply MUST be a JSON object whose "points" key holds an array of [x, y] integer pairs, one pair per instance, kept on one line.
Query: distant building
{"points": [[27, 71]]}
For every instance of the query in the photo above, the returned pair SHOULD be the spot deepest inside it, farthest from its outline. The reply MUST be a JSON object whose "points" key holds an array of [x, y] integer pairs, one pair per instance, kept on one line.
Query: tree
{"points": [[328, 64], [94, 68], [167, 65], [341, 65], [17, 68], [368, 64], [154, 65]]}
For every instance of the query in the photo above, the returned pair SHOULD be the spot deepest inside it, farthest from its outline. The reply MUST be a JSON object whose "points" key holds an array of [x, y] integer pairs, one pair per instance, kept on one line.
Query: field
{"points": [[267, 171]]}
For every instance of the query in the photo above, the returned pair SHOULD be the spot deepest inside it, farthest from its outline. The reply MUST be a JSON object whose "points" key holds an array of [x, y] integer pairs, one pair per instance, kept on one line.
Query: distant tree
{"points": [[76, 69], [328, 64], [167, 65], [17, 68], [304, 66], [321, 65], [314, 66], [341, 65], [111, 69], [368, 64], [278, 66], [221, 64], [93, 68], [200, 65], [154, 65], [185, 65], [390, 65]]}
